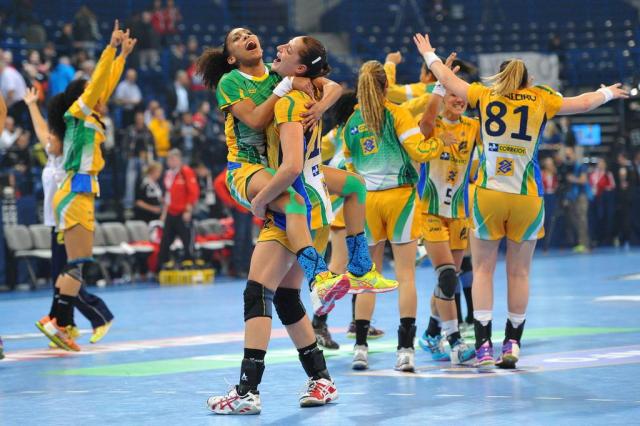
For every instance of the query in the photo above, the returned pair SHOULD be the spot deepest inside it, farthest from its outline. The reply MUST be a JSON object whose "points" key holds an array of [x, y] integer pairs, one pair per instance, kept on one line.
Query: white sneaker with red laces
{"points": [[233, 403], [319, 392]]}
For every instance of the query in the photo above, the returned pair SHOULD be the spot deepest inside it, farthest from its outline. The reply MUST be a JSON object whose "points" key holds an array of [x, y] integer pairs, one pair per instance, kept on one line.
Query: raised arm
{"points": [[445, 76], [291, 142], [117, 67], [100, 77], [592, 100], [428, 120], [390, 63]]}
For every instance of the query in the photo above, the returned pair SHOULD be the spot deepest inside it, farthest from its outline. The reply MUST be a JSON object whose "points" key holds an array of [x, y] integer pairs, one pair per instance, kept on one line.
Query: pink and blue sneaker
{"points": [[484, 356], [510, 354]]}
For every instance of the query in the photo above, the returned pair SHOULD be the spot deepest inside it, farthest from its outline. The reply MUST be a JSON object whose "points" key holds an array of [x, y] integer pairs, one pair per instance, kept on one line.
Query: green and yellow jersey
{"points": [[245, 144]]}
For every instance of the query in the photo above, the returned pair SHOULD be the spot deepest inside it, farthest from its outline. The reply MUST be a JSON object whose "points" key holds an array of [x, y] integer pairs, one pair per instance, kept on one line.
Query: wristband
{"points": [[283, 87], [430, 58], [608, 94], [439, 89]]}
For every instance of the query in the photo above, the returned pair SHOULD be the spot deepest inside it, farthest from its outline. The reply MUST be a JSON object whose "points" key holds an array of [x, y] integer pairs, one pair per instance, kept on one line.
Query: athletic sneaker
{"points": [[371, 282], [510, 354], [484, 356], [327, 287], [461, 353], [100, 332], [421, 254], [435, 345], [1, 349], [360, 357], [61, 336], [319, 392], [74, 332], [374, 333], [405, 360], [323, 336], [233, 403]]}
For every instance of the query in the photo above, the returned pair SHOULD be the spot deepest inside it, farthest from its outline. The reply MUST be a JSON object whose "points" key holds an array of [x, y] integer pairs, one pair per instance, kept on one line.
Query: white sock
{"points": [[449, 327], [515, 319], [483, 317]]}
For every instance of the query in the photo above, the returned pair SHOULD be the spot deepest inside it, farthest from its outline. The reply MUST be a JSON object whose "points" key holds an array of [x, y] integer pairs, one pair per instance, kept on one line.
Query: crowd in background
{"points": [[590, 200]]}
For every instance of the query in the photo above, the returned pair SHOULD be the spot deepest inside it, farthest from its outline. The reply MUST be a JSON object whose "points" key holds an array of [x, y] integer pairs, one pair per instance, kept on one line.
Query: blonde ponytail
{"points": [[372, 82], [513, 75]]}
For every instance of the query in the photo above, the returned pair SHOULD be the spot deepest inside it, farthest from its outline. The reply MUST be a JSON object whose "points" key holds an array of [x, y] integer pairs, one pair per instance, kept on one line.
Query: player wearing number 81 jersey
{"points": [[508, 159]]}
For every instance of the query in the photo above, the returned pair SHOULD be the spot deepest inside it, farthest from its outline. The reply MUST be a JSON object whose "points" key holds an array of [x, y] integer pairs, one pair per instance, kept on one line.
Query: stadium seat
{"points": [[20, 244]]}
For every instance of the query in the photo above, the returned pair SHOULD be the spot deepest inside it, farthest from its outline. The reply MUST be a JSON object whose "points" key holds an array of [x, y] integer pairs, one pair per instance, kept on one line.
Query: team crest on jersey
{"points": [[504, 166], [463, 145], [445, 156], [315, 170], [451, 176], [369, 146], [353, 131]]}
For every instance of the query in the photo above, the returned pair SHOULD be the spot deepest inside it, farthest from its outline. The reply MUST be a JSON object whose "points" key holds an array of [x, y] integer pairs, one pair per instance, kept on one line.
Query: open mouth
{"points": [[251, 45]]}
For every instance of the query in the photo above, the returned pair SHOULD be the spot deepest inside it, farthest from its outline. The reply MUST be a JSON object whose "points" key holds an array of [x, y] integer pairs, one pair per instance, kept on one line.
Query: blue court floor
{"points": [[170, 348]]}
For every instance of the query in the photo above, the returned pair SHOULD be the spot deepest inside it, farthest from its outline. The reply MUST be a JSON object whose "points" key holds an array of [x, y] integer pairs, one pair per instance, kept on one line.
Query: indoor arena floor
{"points": [[170, 348]]}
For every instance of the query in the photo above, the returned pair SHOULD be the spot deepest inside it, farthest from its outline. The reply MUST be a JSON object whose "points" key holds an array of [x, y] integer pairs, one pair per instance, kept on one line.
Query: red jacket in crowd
{"points": [[181, 189], [601, 181], [222, 191]]}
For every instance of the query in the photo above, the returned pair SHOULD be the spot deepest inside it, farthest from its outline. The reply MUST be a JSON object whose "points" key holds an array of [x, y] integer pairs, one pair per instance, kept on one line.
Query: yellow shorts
{"points": [[238, 177], [73, 208], [270, 232], [500, 214], [393, 214], [337, 203], [437, 229]]}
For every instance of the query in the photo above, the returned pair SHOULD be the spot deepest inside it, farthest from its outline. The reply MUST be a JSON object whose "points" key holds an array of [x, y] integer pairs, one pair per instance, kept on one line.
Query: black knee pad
{"points": [[466, 265], [447, 282], [258, 301], [74, 268], [288, 305]]}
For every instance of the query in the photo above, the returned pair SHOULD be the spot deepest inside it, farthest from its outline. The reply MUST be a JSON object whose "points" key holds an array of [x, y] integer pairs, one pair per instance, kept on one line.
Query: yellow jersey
{"points": [[417, 106], [399, 93], [511, 129], [311, 185], [444, 180]]}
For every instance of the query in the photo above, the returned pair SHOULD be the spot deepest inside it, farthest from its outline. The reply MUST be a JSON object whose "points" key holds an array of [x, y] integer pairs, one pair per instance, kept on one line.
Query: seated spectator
{"points": [[160, 128], [9, 135], [148, 203]]}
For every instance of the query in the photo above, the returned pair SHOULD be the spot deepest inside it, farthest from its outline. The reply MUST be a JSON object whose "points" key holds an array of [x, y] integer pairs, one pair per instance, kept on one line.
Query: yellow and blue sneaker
{"points": [[371, 282], [100, 332]]}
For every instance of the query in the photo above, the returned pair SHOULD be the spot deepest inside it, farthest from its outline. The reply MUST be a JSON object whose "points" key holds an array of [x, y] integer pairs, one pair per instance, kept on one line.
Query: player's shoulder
{"points": [[544, 90]]}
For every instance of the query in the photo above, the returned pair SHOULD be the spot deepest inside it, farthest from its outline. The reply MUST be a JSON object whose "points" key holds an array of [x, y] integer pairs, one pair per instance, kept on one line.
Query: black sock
{"points": [[251, 370], [362, 331], [512, 333], [54, 302], [433, 329], [319, 320], [406, 332], [458, 308], [64, 310], [313, 362], [469, 298], [453, 338], [483, 333], [353, 308]]}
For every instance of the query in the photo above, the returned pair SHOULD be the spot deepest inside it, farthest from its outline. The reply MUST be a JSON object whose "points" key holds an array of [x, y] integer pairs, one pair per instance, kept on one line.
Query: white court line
{"points": [[118, 391], [601, 400], [76, 391], [401, 394], [35, 335], [32, 392], [619, 298], [547, 398], [498, 396]]}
